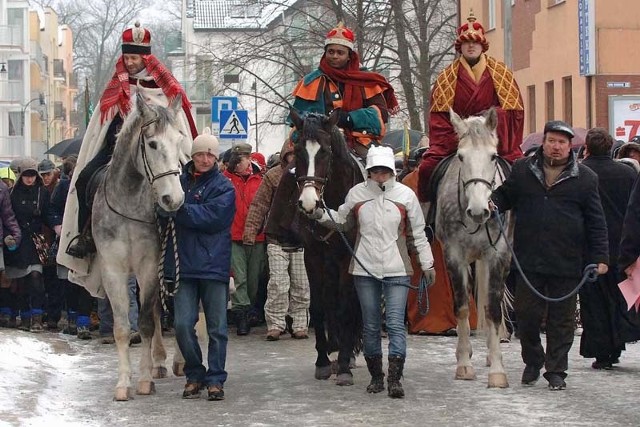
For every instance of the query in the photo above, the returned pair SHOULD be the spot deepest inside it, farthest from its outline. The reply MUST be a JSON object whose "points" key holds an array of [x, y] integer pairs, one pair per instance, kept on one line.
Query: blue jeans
{"points": [[213, 295], [105, 313], [370, 291]]}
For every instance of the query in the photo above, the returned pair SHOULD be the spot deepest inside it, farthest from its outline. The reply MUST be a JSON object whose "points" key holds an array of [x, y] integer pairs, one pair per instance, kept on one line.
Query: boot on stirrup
{"points": [[84, 244], [374, 364]]}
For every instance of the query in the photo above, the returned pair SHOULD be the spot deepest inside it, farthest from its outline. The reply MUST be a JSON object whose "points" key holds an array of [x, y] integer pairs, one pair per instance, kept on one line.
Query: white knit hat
{"points": [[206, 143]]}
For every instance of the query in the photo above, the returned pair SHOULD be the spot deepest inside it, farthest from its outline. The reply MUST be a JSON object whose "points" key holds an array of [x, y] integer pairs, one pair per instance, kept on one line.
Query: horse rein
{"points": [[151, 177]]}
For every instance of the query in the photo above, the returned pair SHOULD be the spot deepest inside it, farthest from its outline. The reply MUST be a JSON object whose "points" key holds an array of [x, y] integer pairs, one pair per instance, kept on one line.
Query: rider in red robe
{"points": [[472, 84]]}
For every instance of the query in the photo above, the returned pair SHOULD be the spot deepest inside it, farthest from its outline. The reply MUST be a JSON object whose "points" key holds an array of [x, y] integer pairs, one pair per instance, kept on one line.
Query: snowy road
{"points": [[51, 380]]}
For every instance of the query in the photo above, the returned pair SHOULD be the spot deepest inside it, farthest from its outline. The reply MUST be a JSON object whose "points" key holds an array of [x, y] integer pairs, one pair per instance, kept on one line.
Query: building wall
{"points": [[545, 52]]}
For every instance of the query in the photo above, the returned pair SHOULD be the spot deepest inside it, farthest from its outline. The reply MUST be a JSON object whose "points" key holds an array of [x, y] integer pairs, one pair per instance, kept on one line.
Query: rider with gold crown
{"points": [[363, 99], [137, 72]]}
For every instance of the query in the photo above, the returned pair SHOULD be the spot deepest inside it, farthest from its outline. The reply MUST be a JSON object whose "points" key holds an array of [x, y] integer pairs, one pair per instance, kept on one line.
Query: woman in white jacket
{"points": [[390, 225]]}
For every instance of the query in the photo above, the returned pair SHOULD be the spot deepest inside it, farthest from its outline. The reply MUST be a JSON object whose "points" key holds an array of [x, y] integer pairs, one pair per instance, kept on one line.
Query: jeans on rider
{"points": [[213, 295], [106, 313], [395, 291]]}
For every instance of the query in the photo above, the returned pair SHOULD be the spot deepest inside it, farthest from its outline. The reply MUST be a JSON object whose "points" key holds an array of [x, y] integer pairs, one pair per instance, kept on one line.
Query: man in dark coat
{"points": [[601, 303], [628, 256], [559, 229]]}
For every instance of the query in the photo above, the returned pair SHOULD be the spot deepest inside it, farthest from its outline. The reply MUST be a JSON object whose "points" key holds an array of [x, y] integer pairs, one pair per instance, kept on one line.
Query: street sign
{"points": [[234, 124], [221, 103]]}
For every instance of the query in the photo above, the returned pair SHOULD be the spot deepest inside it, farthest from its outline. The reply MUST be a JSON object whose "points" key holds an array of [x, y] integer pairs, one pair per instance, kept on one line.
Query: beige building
{"points": [[573, 59], [53, 79]]}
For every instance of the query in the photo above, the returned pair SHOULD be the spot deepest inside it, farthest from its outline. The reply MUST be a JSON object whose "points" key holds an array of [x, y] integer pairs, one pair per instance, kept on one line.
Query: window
{"points": [[491, 22], [549, 94], [16, 70], [531, 107], [567, 100], [15, 123]]}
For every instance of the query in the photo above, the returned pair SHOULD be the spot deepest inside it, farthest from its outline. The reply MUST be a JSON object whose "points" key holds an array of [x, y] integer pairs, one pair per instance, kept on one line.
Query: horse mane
{"points": [[477, 134], [134, 120]]}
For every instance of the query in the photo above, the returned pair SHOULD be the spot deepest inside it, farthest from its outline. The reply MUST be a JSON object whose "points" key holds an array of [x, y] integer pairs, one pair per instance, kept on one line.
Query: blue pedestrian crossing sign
{"points": [[234, 124], [220, 103]]}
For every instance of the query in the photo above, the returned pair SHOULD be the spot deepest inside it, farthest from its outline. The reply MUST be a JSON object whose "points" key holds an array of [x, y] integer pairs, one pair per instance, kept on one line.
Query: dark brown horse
{"points": [[324, 174]]}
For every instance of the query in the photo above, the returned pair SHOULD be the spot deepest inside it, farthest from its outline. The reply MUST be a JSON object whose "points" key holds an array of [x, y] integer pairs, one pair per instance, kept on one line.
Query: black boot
{"points": [[242, 322], [374, 364], [36, 324], [84, 244], [396, 366]]}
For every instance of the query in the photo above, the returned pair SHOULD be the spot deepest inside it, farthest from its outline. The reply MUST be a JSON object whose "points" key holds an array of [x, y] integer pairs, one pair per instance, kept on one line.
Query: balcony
{"points": [[11, 92], [37, 56], [198, 91], [59, 112], [11, 37], [12, 147], [58, 70]]}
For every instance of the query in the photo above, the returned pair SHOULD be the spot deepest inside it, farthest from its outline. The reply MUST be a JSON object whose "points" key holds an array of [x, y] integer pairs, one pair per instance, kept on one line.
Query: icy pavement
{"points": [[52, 379]]}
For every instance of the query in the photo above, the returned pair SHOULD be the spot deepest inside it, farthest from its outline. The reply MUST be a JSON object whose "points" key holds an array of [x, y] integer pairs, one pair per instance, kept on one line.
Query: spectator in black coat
{"points": [[601, 304], [559, 229]]}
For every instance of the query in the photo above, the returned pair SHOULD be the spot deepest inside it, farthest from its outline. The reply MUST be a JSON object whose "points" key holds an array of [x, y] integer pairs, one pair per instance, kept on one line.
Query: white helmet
{"points": [[381, 156]]}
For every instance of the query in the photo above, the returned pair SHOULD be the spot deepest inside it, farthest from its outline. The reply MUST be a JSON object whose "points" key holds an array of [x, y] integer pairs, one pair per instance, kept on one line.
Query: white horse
{"points": [[469, 234], [144, 171]]}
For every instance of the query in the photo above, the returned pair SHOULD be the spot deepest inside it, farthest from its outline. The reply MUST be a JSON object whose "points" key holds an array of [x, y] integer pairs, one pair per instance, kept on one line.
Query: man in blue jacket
{"points": [[560, 228], [203, 231]]}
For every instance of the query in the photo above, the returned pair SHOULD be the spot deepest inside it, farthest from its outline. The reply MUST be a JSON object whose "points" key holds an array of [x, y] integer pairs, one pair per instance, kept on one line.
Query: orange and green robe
{"points": [[317, 93]]}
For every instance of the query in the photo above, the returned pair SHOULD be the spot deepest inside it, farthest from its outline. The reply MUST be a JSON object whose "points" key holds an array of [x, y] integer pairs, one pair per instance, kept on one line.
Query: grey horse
{"points": [[144, 171], [469, 234]]}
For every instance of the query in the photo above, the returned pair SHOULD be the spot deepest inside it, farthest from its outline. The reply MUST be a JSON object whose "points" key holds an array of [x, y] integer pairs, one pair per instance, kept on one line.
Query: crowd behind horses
{"points": [[43, 300]]}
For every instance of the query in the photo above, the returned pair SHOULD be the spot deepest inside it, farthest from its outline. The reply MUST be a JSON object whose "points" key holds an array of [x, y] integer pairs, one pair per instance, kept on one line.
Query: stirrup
{"points": [[82, 247]]}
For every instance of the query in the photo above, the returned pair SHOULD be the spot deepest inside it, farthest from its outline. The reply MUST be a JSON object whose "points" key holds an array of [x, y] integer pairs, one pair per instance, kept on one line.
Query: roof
{"points": [[236, 14]]}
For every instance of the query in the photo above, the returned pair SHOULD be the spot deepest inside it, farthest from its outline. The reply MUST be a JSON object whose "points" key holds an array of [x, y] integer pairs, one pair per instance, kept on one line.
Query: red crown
{"points": [[471, 31], [136, 40], [341, 35]]}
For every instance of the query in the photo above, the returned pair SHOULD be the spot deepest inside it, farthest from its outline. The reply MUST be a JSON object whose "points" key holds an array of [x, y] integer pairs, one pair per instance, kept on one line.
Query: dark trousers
{"points": [[54, 289], [79, 300], [31, 294], [560, 319]]}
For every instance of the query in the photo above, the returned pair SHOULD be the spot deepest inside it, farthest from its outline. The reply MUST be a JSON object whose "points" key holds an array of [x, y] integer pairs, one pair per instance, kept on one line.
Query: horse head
{"points": [[478, 159], [156, 148], [313, 153]]}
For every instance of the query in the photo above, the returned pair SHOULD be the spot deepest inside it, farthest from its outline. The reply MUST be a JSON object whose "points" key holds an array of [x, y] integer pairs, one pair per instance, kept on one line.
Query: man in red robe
{"points": [[472, 84]]}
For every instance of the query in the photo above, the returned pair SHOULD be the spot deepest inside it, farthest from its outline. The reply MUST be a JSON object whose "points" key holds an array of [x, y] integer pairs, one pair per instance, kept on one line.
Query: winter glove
{"points": [[429, 276], [165, 214], [10, 243], [315, 214], [344, 119]]}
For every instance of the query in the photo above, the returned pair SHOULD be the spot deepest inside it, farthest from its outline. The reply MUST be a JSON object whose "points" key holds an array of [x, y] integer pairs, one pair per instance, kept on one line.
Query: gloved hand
{"points": [[344, 120], [315, 214], [10, 242], [165, 214], [429, 276]]}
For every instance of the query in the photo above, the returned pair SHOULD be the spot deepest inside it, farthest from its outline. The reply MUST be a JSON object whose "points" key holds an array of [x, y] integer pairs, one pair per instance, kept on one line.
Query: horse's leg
{"points": [[148, 282], [349, 318], [323, 364], [117, 290], [460, 281], [497, 275], [159, 353]]}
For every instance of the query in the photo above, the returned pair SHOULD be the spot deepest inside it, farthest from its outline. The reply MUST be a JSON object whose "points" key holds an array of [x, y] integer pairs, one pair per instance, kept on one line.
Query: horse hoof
{"points": [[323, 372], [465, 373], [344, 379], [498, 380], [146, 388], [123, 394], [178, 369], [159, 372]]}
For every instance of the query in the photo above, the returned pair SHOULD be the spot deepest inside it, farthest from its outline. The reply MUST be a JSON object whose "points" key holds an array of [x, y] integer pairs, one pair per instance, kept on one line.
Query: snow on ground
{"points": [[53, 379]]}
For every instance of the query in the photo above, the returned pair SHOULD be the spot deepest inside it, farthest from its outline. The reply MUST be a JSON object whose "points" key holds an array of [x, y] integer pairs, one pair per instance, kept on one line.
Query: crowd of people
{"points": [[571, 209]]}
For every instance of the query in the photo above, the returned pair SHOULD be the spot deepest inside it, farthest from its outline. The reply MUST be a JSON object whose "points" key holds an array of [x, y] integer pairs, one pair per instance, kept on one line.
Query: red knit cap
{"points": [[136, 40], [471, 31]]}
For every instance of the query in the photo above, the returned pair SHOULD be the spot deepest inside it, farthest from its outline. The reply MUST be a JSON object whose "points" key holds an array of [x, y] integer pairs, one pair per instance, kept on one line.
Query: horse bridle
{"points": [[151, 177], [316, 182], [491, 184]]}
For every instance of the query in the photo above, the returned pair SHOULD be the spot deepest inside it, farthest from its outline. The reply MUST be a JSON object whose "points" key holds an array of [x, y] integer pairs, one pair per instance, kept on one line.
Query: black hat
{"points": [[559, 126], [226, 156]]}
